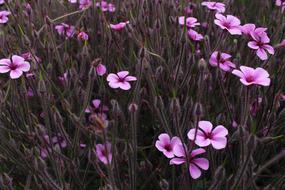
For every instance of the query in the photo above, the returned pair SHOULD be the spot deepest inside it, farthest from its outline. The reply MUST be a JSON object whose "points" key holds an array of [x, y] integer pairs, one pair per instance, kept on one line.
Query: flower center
{"points": [[121, 79], [249, 79], [168, 148], [13, 66]]}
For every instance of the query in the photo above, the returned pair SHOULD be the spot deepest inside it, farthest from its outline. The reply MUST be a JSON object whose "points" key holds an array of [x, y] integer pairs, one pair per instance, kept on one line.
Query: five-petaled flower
{"points": [[217, 6], [195, 164], [229, 23], [120, 80], [16, 65], [249, 76], [104, 153], [165, 145], [221, 60], [206, 135]]}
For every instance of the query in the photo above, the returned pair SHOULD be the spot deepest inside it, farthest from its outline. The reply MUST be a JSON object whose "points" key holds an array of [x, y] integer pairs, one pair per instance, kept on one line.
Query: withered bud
{"points": [[133, 107], [198, 110], [96, 62], [202, 65]]}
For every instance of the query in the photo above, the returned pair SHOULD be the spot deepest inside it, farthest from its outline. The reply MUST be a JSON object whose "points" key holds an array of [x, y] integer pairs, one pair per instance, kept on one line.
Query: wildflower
{"points": [[65, 30], [16, 65], [280, 3], [106, 6], [100, 69], [119, 26], [246, 29], [229, 23], [249, 76], [195, 164], [63, 79], [2, 2], [260, 44], [190, 22], [82, 36], [103, 153], [98, 108], [84, 4], [221, 60], [195, 36], [166, 145], [4, 16], [219, 7], [120, 80], [206, 135], [72, 1]]}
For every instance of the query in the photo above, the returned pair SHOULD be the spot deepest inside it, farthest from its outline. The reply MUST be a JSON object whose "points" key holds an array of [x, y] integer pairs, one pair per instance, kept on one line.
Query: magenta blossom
{"points": [[190, 22], [72, 1], [84, 4], [16, 65], [119, 26], [82, 36], [195, 164], [101, 69], [104, 153], [120, 80], [4, 16], [229, 23], [280, 3], [106, 6], [65, 30], [219, 7], [2, 2], [195, 36], [260, 44], [221, 60], [246, 29], [206, 135], [166, 145], [249, 76]]}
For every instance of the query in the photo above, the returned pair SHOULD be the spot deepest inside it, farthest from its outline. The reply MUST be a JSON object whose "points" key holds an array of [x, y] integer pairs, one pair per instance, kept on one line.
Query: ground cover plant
{"points": [[142, 94]]}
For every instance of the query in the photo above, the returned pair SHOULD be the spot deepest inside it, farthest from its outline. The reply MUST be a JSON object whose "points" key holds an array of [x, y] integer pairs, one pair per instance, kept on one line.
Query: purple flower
{"points": [[106, 6], [120, 80], [249, 76], [84, 4], [195, 36], [195, 164], [190, 22], [82, 36], [206, 135], [119, 26], [166, 145], [260, 43], [221, 60], [16, 65], [219, 7], [65, 30], [101, 69], [229, 23], [104, 153], [4, 16]]}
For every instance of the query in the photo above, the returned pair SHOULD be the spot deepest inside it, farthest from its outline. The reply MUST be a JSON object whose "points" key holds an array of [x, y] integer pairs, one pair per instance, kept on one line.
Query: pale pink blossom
{"points": [[217, 6], [2, 2], [195, 36], [65, 30], [221, 60], [206, 135], [246, 29], [190, 22], [84, 4], [120, 80], [106, 6], [229, 23], [16, 65], [4, 16], [104, 153], [119, 26], [72, 1], [249, 76], [260, 43], [82, 36], [165, 145], [101, 69], [195, 164], [280, 3]]}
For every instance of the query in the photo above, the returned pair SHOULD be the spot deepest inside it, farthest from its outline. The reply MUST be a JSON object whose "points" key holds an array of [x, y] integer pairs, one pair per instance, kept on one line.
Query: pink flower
{"points": [[120, 80], [260, 43], [206, 135], [249, 76], [229, 23], [195, 36], [280, 3], [190, 22], [101, 69], [247, 29], [98, 108], [16, 65], [106, 6], [221, 60], [63, 78], [119, 26], [2, 2], [82, 36], [65, 30], [72, 1], [4, 16], [104, 153], [195, 164], [219, 7], [83, 4], [166, 145]]}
